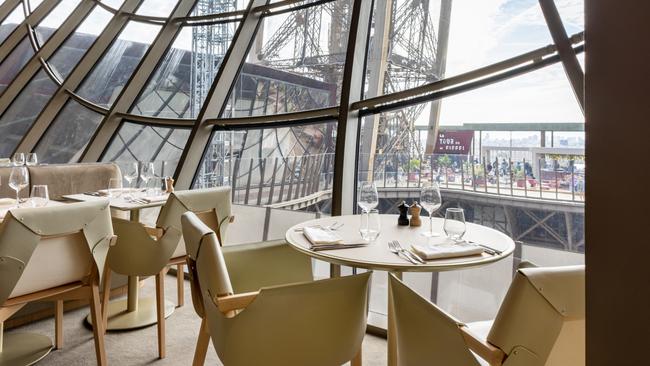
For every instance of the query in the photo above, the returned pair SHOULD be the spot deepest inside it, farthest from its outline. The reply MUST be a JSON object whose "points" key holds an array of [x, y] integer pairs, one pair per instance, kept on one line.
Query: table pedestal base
{"points": [[22, 349], [144, 314]]}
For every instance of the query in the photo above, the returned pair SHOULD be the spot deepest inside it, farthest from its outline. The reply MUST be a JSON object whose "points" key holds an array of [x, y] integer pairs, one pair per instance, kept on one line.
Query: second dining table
{"points": [[377, 255]]}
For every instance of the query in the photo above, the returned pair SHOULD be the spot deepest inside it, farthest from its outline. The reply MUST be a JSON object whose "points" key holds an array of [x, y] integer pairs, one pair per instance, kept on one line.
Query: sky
{"points": [[487, 31]]}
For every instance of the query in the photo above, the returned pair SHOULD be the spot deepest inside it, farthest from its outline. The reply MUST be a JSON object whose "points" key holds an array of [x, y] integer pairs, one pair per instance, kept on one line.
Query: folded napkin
{"points": [[319, 236], [153, 199], [446, 250], [7, 201]]}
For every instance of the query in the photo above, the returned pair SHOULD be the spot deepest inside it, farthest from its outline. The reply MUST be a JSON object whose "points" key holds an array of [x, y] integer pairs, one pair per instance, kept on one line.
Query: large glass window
{"points": [[295, 63], [110, 75]]}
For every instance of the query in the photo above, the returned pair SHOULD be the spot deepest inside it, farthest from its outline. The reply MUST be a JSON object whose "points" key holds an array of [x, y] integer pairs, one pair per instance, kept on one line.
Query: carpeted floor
{"points": [[139, 347]]}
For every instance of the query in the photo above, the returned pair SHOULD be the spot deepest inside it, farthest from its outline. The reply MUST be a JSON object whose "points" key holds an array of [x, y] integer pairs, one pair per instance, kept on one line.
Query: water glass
{"points": [[32, 159], [40, 196], [370, 225], [18, 179], [155, 187], [114, 187], [454, 225], [431, 201], [367, 197], [18, 159]]}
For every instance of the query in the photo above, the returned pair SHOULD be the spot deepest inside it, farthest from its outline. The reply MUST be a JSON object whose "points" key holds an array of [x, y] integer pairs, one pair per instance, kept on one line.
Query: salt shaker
{"points": [[415, 214], [403, 219]]}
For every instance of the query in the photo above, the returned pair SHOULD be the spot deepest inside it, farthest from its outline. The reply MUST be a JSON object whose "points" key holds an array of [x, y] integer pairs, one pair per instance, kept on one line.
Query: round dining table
{"points": [[377, 256]]}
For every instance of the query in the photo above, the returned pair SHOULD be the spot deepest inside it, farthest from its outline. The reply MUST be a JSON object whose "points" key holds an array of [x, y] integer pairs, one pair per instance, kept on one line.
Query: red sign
{"points": [[454, 142]]}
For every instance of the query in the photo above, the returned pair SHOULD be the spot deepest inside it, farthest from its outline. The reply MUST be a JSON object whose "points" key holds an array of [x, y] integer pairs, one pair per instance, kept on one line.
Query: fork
{"points": [[408, 252], [393, 248]]}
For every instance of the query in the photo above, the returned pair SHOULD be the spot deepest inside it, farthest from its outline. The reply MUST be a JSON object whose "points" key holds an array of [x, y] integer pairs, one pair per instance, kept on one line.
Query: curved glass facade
{"points": [[267, 96]]}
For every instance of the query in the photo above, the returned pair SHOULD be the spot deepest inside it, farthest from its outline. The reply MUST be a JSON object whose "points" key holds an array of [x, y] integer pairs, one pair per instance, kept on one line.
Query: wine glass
{"points": [[18, 179], [32, 159], [431, 201], [18, 159], [454, 225], [367, 198], [114, 187], [370, 226], [40, 196], [146, 173], [131, 172]]}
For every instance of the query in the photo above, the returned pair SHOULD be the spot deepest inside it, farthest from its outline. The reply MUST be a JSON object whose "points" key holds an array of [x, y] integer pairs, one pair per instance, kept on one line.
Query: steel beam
{"points": [[347, 135]]}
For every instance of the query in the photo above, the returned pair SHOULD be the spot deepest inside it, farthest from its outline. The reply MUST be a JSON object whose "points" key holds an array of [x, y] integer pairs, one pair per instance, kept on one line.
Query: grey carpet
{"points": [[139, 347]]}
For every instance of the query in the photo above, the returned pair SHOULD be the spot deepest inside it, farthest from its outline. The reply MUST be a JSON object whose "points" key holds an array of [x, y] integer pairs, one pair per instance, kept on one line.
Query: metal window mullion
{"points": [[22, 30], [217, 97], [347, 135], [34, 64], [138, 80], [76, 77], [565, 50]]}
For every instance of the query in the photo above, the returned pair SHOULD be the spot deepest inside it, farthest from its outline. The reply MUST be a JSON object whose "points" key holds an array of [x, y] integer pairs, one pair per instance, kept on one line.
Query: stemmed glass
{"points": [[130, 174], [431, 201], [367, 199], [454, 225], [18, 179], [32, 159], [147, 173], [18, 159]]}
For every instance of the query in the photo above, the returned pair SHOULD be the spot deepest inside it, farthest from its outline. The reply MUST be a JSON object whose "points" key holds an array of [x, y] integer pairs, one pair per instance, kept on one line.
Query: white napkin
{"points": [[152, 199], [319, 236], [447, 249]]}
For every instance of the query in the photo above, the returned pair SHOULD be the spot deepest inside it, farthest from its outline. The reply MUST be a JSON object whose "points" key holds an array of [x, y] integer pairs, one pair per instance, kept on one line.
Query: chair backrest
{"points": [[277, 328], [27, 231], [211, 205], [425, 333], [542, 303]]}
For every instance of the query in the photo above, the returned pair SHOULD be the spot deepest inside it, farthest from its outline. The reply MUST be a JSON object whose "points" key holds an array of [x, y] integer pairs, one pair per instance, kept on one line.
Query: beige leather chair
{"points": [[309, 323], [141, 252], [51, 254], [540, 322]]}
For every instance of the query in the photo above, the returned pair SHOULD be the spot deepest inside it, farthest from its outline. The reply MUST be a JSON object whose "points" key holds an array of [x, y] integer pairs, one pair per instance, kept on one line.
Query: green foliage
{"points": [[444, 160]]}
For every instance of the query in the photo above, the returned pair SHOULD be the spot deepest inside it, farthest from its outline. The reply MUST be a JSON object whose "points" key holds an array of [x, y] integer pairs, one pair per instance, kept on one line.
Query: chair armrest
{"points": [[230, 303], [490, 353], [156, 232]]}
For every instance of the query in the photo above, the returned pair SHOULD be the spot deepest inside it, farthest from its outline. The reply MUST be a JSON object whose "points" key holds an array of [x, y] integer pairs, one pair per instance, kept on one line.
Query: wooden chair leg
{"points": [[160, 310], [357, 360], [58, 324], [201, 345], [106, 294], [180, 280], [98, 325]]}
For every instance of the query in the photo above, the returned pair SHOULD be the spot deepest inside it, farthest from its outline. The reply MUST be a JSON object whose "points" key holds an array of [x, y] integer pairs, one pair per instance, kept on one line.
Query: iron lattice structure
{"points": [[411, 58]]}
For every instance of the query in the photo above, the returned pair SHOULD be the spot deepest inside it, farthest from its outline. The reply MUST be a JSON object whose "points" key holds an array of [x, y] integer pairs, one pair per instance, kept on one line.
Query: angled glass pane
{"points": [[180, 84], [206, 7], [11, 22], [12, 65], [407, 48], [272, 165], [295, 64], [33, 4], [156, 8], [67, 136], [54, 19], [572, 13], [23, 111], [110, 75], [138, 142], [73, 49]]}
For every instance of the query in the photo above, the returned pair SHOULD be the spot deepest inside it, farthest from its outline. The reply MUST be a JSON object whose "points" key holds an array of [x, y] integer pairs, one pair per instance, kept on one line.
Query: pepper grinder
{"points": [[403, 219], [415, 214], [169, 184]]}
